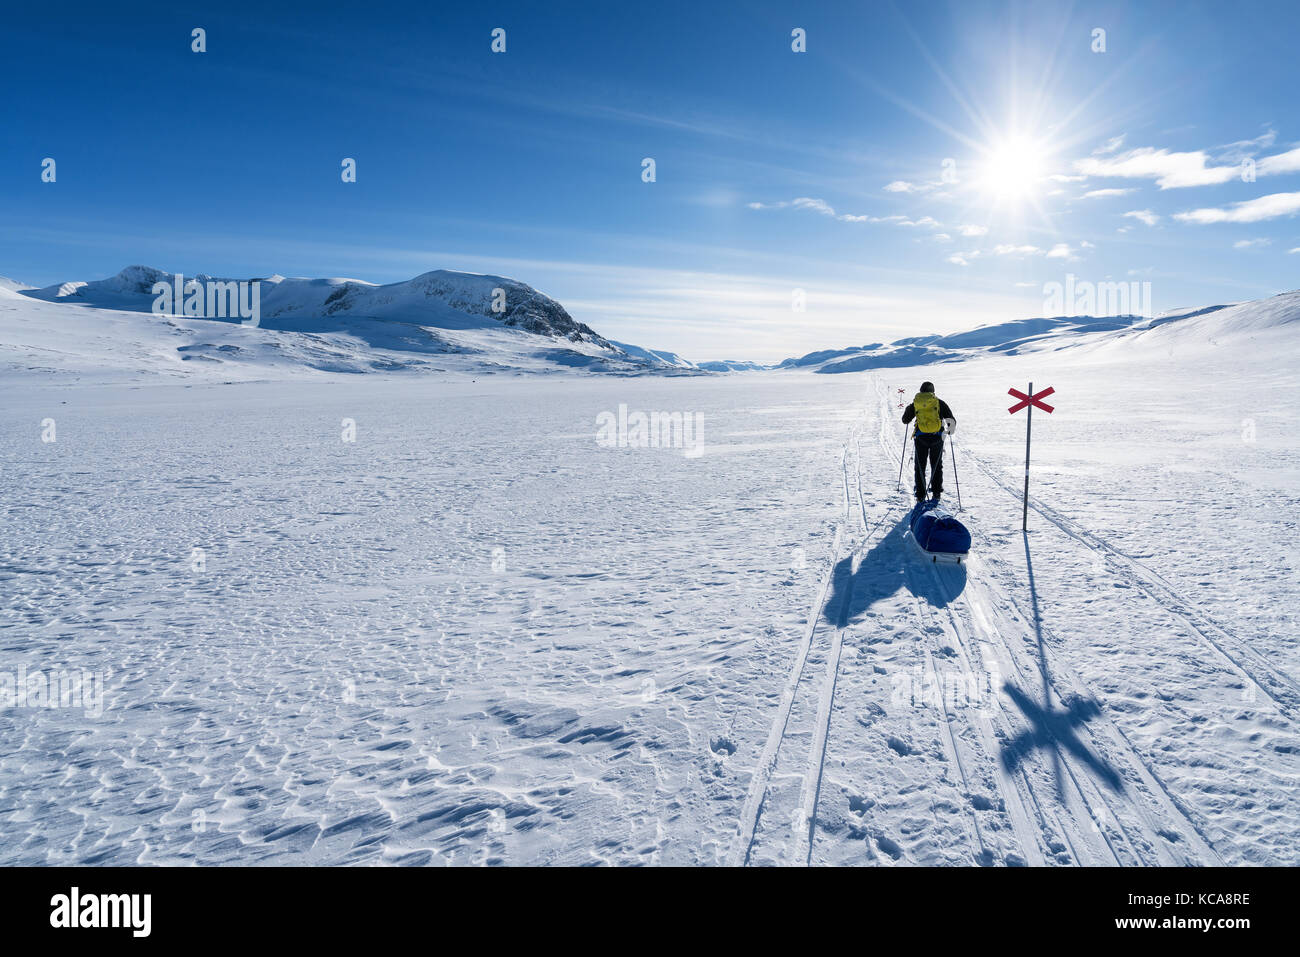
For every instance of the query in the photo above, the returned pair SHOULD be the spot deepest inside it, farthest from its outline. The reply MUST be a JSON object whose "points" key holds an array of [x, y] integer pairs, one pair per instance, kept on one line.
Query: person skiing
{"points": [[932, 415]]}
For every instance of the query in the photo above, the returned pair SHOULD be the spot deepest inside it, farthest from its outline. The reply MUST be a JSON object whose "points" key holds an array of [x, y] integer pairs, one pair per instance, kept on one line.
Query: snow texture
{"points": [[475, 634]]}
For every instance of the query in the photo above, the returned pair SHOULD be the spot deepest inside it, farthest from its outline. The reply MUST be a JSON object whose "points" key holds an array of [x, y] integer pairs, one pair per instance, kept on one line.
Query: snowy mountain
{"points": [[656, 356], [438, 321], [733, 365], [445, 321], [439, 299], [1024, 336]]}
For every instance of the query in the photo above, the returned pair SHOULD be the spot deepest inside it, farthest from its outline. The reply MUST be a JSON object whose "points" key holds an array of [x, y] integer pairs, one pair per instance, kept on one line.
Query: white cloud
{"points": [[1026, 285], [1110, 146], [1250, 211], [1007, 249], [957, 259], [971, 230], [1169, 170], [1099, 193], [942, 238], [1250, 243], [1062, 251], [818, 205], [1063, 178], [1145, 215], [1173, 170], [1236, 152], [826, 209], [1296, 250], [900, 186], [1288, 162]]}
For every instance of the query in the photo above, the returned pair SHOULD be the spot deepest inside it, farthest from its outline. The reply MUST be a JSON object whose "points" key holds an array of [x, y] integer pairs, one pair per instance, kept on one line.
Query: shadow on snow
{"points": [[1052, 728], [882, 572]]}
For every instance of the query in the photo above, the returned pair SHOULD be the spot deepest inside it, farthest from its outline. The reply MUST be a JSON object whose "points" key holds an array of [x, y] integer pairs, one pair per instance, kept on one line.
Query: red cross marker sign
{"points": [[1028, 400], [1031, 399]]}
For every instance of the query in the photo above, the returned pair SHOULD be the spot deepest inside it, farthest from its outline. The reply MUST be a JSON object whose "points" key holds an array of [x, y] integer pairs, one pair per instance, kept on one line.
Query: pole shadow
{"points": [[1052, 728]]}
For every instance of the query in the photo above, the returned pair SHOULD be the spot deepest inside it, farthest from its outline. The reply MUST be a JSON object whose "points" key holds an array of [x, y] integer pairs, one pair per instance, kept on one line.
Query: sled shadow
{"points": [[1052, 728], [885, 569]]}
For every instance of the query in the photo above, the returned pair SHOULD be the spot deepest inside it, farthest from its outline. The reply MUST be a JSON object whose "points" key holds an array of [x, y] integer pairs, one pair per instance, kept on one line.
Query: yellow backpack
{"points": [[926, 405]]}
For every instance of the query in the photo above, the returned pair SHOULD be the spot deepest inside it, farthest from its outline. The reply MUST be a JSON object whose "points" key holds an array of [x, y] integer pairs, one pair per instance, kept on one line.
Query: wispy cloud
{"points": [[1144, 215], [1100, 193], [1169, 170], [1288, 162], [907, 186], [826, 209], [1250, 211], [1250, 243], [1236, 152], [1173, 169], [1062, 251]]}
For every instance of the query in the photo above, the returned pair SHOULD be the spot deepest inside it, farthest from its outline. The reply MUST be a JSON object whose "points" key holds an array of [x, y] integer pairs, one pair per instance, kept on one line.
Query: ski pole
{"points": [[901, 459], [953, 449]]}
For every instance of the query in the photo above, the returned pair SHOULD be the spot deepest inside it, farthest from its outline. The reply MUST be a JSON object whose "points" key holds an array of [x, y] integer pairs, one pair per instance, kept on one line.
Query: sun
{"points": [[1013, 169]]}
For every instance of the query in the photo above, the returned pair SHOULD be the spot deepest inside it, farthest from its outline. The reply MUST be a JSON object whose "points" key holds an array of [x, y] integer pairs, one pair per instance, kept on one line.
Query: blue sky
{"points": [[821, 171]]}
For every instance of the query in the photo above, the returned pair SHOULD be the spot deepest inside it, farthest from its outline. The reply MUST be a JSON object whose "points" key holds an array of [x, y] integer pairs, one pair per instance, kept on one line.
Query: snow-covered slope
{"points": [[12, 285], [656, 356], [1024, 336], [439, 299], [732, 365], [440, 321]]}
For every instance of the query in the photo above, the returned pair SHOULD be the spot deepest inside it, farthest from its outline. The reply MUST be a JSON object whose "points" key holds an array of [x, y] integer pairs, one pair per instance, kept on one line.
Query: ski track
{"points": [[1279, 687], [758, 788], [767, 759], [969, 738], [1098, 829], [1017, 791], [1093, 795], [1027, 848]]}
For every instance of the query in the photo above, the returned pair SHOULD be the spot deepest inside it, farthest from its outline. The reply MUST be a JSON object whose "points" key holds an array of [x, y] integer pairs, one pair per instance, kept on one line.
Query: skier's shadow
{"points": [[882, 572], [1052, 728]]}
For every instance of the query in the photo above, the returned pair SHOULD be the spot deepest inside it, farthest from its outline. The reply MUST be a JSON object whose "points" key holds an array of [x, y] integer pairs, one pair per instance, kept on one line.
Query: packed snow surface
{"points": [[423, 619]]}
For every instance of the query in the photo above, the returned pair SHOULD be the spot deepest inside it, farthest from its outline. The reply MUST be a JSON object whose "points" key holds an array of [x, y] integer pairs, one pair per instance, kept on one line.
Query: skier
{"points": [[932, 415]]}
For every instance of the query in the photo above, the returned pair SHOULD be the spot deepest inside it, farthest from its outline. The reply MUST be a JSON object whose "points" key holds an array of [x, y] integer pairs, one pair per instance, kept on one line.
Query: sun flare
{"points": [[1014, 168]]}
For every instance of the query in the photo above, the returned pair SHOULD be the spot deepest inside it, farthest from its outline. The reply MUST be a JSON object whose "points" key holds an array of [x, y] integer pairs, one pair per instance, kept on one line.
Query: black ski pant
{"points": [[929, 446]]}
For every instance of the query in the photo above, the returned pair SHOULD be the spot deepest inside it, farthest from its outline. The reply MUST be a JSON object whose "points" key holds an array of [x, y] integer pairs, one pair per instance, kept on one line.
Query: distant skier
{"points": [[932, 415]]}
